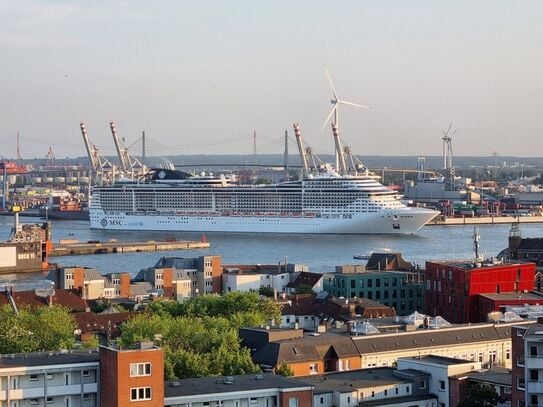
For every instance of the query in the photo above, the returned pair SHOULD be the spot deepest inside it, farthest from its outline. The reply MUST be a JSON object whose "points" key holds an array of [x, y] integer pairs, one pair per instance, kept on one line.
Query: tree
{"points": [[479, 395], [284, 370], [304, 289], [193, 346], [35, 329], [266, 292]]}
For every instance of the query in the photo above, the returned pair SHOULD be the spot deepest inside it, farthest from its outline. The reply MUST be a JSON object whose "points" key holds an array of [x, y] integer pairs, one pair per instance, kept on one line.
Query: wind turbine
{"points": [[336, 101], [447, 148]]}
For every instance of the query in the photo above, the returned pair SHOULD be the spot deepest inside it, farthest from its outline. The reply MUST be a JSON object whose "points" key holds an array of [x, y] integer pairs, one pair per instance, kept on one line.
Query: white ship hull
{"points": [[400, 221]]}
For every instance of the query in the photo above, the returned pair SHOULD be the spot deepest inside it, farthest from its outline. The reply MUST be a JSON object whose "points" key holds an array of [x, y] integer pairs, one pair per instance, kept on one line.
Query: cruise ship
{"points": [[324, 200]]}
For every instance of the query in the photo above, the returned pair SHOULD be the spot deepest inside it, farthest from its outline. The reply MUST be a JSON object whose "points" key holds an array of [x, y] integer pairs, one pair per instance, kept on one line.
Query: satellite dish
{"points": [[44, 292]]}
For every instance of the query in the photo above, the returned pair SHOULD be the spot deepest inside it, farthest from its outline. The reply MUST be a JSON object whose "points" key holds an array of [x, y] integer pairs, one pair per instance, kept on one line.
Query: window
{"points": [[293, 402], [34, 377], [313, 368], [140, 369], [140, 393], [423, 385], [520, 383], [49, 400], [534, 374], [408, 389], [442, 385], [520, 360], [49, 376], [86, 373], [507, 390]]}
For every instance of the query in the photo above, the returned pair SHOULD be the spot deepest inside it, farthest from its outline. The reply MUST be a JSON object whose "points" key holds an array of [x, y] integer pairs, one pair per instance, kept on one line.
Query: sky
{"points": [[200, 76]]}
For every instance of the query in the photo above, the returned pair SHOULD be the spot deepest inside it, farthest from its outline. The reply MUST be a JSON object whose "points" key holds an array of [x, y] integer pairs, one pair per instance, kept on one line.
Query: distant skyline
{"points": [[199, 77]]}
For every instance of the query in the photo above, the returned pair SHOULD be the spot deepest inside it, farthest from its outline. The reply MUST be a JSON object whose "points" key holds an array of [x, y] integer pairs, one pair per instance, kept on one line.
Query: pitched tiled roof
{"points": [[305, 349], [301, 304], [345, 310], [432, 338], [92, 274], [88, 322], [66, 298], [305, 278], [388, 261]]}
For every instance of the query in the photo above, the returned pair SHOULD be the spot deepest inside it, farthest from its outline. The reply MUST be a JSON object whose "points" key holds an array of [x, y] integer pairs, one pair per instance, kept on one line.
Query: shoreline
{"points": [[484, 220]]}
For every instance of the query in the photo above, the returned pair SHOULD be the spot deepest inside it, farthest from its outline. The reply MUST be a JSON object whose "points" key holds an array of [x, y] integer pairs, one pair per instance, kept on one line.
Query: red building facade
{"points": [[452, 288]]}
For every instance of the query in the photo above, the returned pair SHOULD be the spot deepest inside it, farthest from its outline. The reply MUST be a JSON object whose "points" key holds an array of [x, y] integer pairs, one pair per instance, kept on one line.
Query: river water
{"points": [[320, 252]]}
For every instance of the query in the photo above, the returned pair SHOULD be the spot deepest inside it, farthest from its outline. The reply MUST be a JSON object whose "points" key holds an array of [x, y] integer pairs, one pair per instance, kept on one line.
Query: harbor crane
{"points": [[128, 162], [99, 164]]}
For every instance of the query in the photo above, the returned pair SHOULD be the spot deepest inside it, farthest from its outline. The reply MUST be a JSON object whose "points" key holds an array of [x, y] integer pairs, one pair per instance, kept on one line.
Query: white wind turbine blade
{"points": [[353, 104], [331, 85], [449, 129], [329, 116]]}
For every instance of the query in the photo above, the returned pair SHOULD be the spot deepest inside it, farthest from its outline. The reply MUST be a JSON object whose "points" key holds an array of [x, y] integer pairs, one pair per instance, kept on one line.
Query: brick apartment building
{"points": [[527, 372], [452, 287], [132, 376]]}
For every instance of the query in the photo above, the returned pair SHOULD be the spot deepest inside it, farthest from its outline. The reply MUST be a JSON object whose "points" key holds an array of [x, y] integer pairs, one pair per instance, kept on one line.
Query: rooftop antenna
{"points": [[336, 101]]}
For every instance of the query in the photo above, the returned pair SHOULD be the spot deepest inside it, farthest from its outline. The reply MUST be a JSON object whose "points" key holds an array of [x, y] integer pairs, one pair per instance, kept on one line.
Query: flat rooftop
{"points": [[496, 375], [439, 360], [471, 264], [513, 296], [353, 379], [49, 358], [214, 385]]}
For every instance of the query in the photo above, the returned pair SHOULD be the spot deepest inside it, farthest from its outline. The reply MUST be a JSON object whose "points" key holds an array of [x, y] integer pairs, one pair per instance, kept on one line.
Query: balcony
{"points": [[38, 392], [534, 361], [534, 387]]}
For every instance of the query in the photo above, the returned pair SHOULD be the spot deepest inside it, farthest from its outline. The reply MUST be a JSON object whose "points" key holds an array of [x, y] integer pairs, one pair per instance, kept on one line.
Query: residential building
{"points": [[452, 287], [318, 352], [502, 302], [258, 390], [384, 386], [311, 354], [52, 379], [525, 249], [307, 280], [527, 371], [132, 377], [274, 277], [90, 283], [300, 311], [440, 369], [401, 290], [171, 275]]}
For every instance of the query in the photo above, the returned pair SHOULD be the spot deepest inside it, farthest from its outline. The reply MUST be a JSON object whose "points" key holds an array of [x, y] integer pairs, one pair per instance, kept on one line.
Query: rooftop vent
{"points": [[175, 384], [228, 380], [259, 377]]}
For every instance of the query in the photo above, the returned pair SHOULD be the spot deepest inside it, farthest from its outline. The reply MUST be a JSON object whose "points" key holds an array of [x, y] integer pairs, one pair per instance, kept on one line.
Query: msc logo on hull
{"points": [[104, 222]]}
